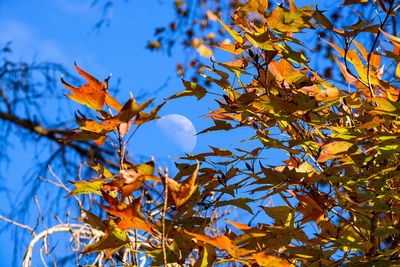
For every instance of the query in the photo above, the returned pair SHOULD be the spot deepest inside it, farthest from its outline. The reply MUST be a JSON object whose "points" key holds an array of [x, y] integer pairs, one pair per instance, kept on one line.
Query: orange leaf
{"points": [[93, 94], [363, 51], [137, 223], [94, 126], [120, 209], [239, 226], [333, 150], [349, 78], [113, 103], [221, 242]]}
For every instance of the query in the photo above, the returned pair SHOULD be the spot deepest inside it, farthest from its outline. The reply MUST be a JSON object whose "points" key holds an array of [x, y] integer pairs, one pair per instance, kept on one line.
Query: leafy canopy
{"points": [[341, 173]]}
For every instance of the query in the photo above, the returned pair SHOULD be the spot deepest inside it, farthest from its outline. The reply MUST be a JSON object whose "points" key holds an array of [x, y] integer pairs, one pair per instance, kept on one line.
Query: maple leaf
{"points": [[114, 238], [178, 193], [93, 94], [130, 214], [87, 186], [93, 220], [221, 242], [256, 6]]}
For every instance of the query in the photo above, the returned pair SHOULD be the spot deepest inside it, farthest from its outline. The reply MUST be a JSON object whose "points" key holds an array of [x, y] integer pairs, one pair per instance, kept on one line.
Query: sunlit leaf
{"points": [[221, 242], [93, 94], [87, 186], [192, 89], [113, 239], [264, 259], [256, 6]]}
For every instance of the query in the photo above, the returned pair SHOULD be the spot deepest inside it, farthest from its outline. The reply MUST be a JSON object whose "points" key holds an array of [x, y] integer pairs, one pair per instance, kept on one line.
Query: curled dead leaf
{"points": [[179, 193]]}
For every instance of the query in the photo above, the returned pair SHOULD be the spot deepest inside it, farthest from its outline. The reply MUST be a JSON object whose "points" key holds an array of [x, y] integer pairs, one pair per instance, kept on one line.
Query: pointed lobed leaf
{"points": [[100, 169], [98, 138], [192, 89], [144, 117], [221, 242], [179, 193], [256, 6], [93, 94], [87, 186], [114, 238], [93, 220]]}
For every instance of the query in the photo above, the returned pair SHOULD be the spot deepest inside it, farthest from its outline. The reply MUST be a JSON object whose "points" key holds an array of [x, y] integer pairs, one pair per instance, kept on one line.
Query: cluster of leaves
{"points": [[342, 170], [340, 178], [193, 29], [173, 229]]}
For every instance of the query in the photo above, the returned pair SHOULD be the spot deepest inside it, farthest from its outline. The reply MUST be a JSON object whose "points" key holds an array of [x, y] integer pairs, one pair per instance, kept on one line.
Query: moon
{"points": [[179, 130]]}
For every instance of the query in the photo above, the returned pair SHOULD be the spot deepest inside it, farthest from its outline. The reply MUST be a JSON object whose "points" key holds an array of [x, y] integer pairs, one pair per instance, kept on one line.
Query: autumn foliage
{"points": [[338, 188]]}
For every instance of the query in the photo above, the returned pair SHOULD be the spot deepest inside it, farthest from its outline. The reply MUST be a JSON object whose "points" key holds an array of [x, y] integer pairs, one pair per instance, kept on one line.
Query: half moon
{"points": [[179, 130]]}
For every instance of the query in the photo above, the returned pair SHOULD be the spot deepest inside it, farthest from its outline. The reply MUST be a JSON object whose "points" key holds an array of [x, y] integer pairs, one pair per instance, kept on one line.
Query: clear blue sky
{"points": [[62, 31]]}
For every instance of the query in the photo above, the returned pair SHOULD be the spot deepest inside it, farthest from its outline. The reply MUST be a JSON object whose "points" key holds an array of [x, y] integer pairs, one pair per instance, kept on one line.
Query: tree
{"points": [[337, 188]]}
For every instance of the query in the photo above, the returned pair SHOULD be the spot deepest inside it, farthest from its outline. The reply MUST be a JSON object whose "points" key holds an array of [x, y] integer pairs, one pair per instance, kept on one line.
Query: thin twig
{"points": [[19, 225], [163, 216], [73, 228], [373, 47]]}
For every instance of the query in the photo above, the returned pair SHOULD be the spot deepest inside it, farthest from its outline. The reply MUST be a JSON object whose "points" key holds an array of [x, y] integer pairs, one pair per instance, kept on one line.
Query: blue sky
{"points": [[62, 31]]}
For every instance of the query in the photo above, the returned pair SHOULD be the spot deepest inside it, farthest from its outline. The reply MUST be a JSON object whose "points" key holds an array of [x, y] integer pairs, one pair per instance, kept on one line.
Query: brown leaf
{"points": [[178, 193], [132, 179]]}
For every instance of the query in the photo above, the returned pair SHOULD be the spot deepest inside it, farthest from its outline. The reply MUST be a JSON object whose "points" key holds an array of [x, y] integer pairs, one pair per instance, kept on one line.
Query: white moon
{"points": [[179, 130]]}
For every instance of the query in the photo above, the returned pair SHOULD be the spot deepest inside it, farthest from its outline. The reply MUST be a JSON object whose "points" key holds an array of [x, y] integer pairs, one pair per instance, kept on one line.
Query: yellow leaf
{"points": [[263, 259], [256, 6]]}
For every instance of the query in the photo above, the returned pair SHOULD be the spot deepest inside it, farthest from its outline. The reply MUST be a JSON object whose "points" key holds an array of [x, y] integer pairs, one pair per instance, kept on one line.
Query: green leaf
{"points": [[192, 89], [87, 186], [207, 256], [100, 169], [157, 255], [321, 19], [280, 214], [219, 125], [113, 239], [93, 220]]}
